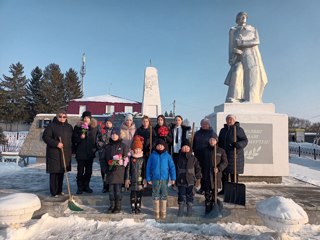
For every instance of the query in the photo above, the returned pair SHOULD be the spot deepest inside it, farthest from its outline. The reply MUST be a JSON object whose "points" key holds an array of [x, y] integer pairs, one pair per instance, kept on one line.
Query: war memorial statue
{"points": [[247, 77]]}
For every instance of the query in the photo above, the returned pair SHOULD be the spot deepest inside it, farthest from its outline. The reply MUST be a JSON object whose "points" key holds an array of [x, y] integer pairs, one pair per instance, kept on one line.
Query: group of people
{"points": [[136, 158]]}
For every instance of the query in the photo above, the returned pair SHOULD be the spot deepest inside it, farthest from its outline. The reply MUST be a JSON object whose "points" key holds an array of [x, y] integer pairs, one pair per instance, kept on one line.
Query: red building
{"points": [[103, 104]]}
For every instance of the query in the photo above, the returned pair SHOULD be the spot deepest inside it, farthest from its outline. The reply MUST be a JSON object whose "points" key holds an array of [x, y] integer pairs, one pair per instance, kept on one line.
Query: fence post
{"points": [[299, 151], [314, 154]]}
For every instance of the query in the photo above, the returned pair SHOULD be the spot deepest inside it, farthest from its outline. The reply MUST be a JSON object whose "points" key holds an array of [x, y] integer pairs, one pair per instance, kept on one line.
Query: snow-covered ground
{"points": [[74, 227]]}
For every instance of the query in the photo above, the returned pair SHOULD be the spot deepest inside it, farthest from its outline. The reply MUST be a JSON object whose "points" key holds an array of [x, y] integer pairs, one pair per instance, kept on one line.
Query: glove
{"points": [[127, 183], [234, 144]]}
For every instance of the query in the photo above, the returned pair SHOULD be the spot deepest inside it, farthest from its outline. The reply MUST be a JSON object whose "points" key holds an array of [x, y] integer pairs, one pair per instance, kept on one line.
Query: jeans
{"points": [[159, 189], [185, 194], [115, 192]]}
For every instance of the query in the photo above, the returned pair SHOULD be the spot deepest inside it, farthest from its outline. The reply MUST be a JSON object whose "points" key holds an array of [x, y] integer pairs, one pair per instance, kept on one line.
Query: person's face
{"points": [[137, 150], [145, 123], [205, 125], [128, 122], [160, 121], [230, 121], [114, 137], [178, 121], [108, 124], [185, 148], [212, 141], [62, 117], [242, 19], [87, 120], [160, 147]]}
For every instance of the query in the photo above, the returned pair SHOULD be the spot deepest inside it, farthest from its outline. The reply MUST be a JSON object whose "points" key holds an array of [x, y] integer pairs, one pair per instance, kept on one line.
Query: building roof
{"points": [[104, 98]]}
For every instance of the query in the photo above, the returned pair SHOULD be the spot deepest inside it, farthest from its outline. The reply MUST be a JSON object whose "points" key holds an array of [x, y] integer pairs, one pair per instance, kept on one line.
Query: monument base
{"points": [[267, 151]]}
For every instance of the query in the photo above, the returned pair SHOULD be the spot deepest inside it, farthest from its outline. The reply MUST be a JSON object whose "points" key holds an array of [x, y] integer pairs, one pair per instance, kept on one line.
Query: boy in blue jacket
{"points": [[160, 165]]}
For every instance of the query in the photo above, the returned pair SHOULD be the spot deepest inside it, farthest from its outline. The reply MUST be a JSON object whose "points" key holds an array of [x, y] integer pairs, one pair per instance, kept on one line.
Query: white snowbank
{"points": [[19, 201]]}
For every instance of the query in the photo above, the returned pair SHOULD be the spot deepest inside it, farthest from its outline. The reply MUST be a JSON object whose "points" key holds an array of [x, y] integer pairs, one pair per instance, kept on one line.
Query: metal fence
{"points": [[309, 151]]}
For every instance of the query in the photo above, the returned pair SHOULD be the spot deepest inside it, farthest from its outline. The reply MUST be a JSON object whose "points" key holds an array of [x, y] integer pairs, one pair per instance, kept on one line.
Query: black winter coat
{"points": [[85, 148], [184, 138], [226, 139], [207, 167], [201, 142], [167, 139], [188, 169], [115, 175], [135, 172], [51, 136]]}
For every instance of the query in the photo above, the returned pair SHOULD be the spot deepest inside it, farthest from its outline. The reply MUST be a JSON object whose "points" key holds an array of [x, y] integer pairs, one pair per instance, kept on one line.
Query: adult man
{"points": [[59, 128], [247, 77], [232, 137]]}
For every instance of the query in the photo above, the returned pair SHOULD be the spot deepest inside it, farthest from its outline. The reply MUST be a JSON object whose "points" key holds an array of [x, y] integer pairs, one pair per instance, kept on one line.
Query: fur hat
{"points": [[116, 131], [137, 142], [86, 114]]}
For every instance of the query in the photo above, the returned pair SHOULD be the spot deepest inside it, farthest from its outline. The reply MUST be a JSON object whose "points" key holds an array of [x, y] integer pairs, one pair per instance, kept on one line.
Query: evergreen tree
{"points": [[72, 85], [35, 100], [13, 95], [52, 89], [166, 114]]}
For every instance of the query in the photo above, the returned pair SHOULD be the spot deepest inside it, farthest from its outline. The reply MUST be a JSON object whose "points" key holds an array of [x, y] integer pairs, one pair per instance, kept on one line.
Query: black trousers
{"points": [[115, 192], [84, 173], [185, 195], [56, 181]]}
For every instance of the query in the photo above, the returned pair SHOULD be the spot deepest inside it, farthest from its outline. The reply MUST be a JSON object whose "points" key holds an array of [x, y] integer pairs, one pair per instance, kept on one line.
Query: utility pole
{"points": [[83, 72], [174, 108]]}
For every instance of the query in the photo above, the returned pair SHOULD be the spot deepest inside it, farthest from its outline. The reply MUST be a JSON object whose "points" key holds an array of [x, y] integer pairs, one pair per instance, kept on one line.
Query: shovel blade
{"points": [[235, 193]]}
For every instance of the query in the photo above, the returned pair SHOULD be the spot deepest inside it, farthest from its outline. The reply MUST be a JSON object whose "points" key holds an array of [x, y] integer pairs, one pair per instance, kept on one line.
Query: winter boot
{"points": [[163, 209], [156, 208], [189, 209], [181, 209], [87, 189], [112, 205], [80, 186], [138, 203], [208, 207], [133, 202], [117, 208]]}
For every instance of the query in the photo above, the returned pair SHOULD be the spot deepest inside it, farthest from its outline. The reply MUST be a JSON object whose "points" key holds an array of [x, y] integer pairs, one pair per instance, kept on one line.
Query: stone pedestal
{"points": [[151, 104], [267, 151]]}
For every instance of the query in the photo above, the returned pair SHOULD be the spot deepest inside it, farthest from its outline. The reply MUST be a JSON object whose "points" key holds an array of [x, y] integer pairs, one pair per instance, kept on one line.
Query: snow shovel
{"points": [[192, 136], [71, 203], [218, 205], [235, 192]]}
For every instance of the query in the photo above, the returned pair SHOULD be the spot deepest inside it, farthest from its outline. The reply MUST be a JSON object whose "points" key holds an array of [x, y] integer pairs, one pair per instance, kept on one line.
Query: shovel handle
{"points": [[65, 170], [235, 152]]}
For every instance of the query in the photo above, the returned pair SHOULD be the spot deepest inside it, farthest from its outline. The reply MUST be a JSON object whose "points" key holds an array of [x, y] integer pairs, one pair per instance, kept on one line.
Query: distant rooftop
{"points": [[104, 98]]}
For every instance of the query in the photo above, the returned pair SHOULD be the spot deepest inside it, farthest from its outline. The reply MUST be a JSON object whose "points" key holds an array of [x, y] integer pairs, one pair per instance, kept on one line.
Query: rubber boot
{"points": [[189, 209], [138, 203], [117, 208], [112, 205], [163, 209], [156, 208], [181, 209]]}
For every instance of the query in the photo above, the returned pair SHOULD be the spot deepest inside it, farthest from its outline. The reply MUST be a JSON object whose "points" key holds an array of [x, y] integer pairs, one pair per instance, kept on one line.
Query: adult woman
{"points": [[162, 131], [128, 128], [59, 128]]}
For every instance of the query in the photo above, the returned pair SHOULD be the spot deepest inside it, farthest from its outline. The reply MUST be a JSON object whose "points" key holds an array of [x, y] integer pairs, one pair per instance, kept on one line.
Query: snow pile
{"points": [[18, 208], [282, 214], [8, 168]]}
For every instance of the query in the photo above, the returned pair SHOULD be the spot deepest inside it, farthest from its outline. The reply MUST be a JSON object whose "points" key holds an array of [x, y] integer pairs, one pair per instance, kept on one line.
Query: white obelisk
{"points": [[151, 104]]}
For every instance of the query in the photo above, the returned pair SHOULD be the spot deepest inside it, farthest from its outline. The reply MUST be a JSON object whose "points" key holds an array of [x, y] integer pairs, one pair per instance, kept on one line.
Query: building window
{"points": [[109, 108], [82, 108], [128, 109]]}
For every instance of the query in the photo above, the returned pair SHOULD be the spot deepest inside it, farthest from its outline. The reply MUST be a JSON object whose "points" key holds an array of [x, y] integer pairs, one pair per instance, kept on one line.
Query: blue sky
{"points": [[187, 41]]}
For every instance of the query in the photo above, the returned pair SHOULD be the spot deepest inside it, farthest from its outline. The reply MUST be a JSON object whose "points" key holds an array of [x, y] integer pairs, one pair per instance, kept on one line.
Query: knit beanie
{"points": [[116, 131], [137, 142], [86, 114], [205, 120], [128, 117]]}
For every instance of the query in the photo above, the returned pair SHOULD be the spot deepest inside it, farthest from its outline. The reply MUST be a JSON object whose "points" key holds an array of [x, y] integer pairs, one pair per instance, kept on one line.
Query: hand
{"points": [[198, 183], [60, 145], [83, 136], [127, 183], [150, 182], [144, 182], [234, 144], [173, 182], [216, 170]]}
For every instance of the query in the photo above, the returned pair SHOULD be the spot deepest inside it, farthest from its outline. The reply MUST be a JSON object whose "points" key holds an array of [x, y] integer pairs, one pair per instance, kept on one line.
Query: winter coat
{"points": [[85, 148], [207, 167], [127, 133], [160, 166], [115, 175], [184, 136], [145, 133], [103, 137], [226, 139], [51, 136], [167, 139], [135, 171], [201, 141], [188, 169]]}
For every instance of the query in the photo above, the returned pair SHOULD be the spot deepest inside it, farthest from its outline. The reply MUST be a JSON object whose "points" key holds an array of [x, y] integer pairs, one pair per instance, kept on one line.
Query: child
{"points": [[135, 174], [160, 165], [116, 157], [188, 174]]}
